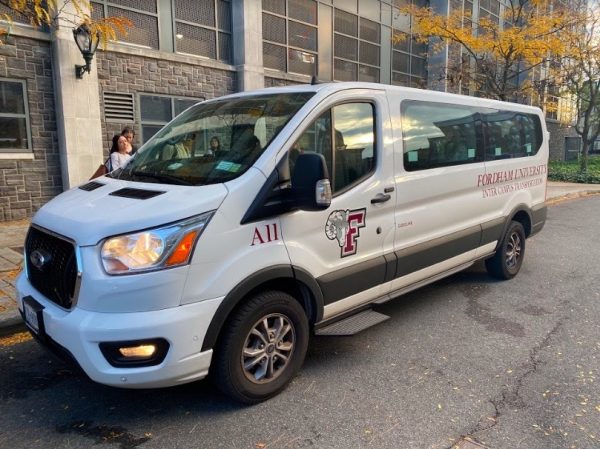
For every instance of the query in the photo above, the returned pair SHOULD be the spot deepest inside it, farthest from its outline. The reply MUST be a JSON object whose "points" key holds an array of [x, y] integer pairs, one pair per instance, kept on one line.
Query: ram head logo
{"points": [[343, 226]]}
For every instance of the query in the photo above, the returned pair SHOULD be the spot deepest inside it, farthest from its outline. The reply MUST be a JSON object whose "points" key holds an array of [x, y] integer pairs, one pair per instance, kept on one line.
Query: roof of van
{"points": [[421, 94]]}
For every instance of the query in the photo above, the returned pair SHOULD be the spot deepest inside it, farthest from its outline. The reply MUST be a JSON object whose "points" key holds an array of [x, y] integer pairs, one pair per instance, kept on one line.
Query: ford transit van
{"points": [[318, 202]]}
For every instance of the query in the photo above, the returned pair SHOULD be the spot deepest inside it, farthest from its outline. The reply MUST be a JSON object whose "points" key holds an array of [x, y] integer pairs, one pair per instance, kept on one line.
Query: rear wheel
{"points": [[262, 347], [506, 263]]}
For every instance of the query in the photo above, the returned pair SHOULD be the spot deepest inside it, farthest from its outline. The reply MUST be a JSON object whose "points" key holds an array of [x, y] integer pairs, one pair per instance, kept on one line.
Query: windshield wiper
{"points": [[160, 177]]}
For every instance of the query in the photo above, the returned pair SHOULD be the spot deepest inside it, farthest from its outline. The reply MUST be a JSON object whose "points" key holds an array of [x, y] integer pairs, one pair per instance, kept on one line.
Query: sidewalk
{"points": [[12, 237]]}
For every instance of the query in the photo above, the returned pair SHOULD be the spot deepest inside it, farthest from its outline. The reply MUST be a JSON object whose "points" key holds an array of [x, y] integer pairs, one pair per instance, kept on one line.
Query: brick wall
{"points": [[26, 185], [278, 82], [558, 132], [120, 72]]}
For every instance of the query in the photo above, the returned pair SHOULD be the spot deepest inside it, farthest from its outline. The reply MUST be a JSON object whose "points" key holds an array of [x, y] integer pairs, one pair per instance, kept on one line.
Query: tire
{"points": [[262, 347], [507, 261]]}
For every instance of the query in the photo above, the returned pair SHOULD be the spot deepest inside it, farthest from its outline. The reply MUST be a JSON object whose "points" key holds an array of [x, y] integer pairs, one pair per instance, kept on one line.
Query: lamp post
{"points": [[87, 44]]}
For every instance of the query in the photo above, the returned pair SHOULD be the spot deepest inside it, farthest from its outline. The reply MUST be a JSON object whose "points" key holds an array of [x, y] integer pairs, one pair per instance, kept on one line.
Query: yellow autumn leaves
{"points": [[45, 12]]}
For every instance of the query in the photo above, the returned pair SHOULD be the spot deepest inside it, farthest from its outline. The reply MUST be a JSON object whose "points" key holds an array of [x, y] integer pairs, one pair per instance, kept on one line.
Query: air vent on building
{"points": [[118, 107]]}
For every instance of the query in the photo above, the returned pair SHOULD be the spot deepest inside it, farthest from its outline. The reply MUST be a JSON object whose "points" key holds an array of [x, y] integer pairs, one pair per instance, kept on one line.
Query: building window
{"points": [[290, 35], [356, 48], [409, 55], [142, 13], [490, 9], [158, 110], [203, 28], [14, 15], [15, 132]]}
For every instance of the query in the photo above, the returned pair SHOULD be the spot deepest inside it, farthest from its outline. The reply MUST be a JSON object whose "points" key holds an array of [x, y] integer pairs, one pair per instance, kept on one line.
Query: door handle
{"points": [[380, 198]]}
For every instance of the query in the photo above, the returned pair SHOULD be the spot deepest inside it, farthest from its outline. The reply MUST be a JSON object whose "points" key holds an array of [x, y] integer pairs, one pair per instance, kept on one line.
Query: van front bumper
{"points": [[78, 333]]}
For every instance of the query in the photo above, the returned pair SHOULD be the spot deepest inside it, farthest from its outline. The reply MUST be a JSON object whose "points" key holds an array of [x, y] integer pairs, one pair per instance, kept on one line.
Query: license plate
{"points": [[32, 312]]}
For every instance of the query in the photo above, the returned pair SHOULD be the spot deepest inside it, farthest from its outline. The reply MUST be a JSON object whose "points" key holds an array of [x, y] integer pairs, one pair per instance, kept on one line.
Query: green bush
{"points": [[569, 171]]}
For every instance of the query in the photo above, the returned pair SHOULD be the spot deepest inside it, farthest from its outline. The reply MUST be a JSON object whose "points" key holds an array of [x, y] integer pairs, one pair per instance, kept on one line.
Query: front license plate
{"points": [[32, 310]]}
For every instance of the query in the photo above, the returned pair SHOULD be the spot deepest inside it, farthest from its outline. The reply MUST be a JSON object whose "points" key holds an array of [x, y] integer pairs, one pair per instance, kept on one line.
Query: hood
{"points": [[91, 212]]}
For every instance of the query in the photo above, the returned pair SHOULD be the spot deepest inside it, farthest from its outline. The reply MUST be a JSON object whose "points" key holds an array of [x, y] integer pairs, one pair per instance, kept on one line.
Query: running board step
{"points": [[353, 324]]}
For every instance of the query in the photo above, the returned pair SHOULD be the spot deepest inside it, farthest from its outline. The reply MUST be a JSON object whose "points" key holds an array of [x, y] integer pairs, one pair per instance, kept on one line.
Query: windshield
{"points": [[213, 142]]}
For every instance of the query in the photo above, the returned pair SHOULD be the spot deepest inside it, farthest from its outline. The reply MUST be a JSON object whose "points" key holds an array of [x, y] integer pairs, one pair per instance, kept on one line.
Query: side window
{"points": [[351, 158], [510, 134], [354, 138], [439, 135], [316, 139]]}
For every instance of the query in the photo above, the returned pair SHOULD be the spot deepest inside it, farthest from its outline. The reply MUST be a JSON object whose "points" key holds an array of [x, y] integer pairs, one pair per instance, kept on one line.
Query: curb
{"points": [[11, 324], [571, 196]]}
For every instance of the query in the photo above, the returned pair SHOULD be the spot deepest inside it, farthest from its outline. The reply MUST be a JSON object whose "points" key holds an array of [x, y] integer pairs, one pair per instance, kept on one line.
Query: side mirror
{"points": [[311, 189]]}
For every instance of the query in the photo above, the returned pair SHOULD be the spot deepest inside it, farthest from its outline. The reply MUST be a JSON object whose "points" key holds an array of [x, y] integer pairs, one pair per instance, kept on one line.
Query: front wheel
{"points": [[262, 347], [506, 263]]}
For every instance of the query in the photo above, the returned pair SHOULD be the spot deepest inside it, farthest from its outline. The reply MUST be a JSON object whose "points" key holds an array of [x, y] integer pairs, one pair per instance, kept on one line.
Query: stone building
{"points": [[56, 129]]}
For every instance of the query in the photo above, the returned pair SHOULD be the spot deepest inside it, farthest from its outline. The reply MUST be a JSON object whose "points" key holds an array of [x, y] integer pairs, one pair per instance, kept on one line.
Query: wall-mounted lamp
{"points": [[87, 44]]}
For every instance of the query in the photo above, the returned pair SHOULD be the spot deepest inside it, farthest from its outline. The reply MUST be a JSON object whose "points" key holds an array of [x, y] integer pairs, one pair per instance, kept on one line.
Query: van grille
{"points": [[51, 266]]}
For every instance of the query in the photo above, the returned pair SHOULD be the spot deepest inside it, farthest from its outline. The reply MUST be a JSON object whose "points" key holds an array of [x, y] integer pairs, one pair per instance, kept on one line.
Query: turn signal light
{"points": [[183, 250]]}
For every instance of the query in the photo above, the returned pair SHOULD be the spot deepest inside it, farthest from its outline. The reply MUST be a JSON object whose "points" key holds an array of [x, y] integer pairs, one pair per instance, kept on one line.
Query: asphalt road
{"points": [[509, 364]]}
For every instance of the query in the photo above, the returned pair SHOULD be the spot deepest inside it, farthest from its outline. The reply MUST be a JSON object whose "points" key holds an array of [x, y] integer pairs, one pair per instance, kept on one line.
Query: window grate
{"points": [[273, 28], [304, 10], [370, 31], [369, 53], [140, 5], [346, 47], [196, 41], [201, 13], [97, 11], [118, 107], [344, 70], [276, 6], [302, 36], [144, 30], [346, 23], [274, 56], [16, 17], [368, 74]]}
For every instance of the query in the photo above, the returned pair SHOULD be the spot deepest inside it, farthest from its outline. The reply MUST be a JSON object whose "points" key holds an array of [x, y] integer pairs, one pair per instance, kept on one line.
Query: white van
{"points": [[313, 204]]}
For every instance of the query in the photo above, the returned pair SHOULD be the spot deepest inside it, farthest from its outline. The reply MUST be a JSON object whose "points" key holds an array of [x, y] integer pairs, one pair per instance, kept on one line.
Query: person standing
{"points": [[215, 147], [120, 157], [129, 134]]}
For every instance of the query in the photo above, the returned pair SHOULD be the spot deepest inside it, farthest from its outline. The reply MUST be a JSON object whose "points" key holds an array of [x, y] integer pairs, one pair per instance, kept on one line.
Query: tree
{"points": [[580, 70], [505, 57], [41, 13]]}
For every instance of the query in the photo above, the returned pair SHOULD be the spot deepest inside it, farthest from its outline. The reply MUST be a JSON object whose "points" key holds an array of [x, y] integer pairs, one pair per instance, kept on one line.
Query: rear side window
{"points": [[510, 134], [351, 157], [438, 135], [441, 134]]}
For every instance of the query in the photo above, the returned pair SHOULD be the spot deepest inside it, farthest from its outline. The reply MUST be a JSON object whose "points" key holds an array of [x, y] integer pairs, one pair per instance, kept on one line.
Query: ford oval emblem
{"points": [[39, 258]]}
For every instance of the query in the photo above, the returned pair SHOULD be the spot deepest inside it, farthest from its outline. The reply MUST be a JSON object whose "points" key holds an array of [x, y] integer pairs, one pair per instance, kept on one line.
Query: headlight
{"points": [[165, 247]]}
